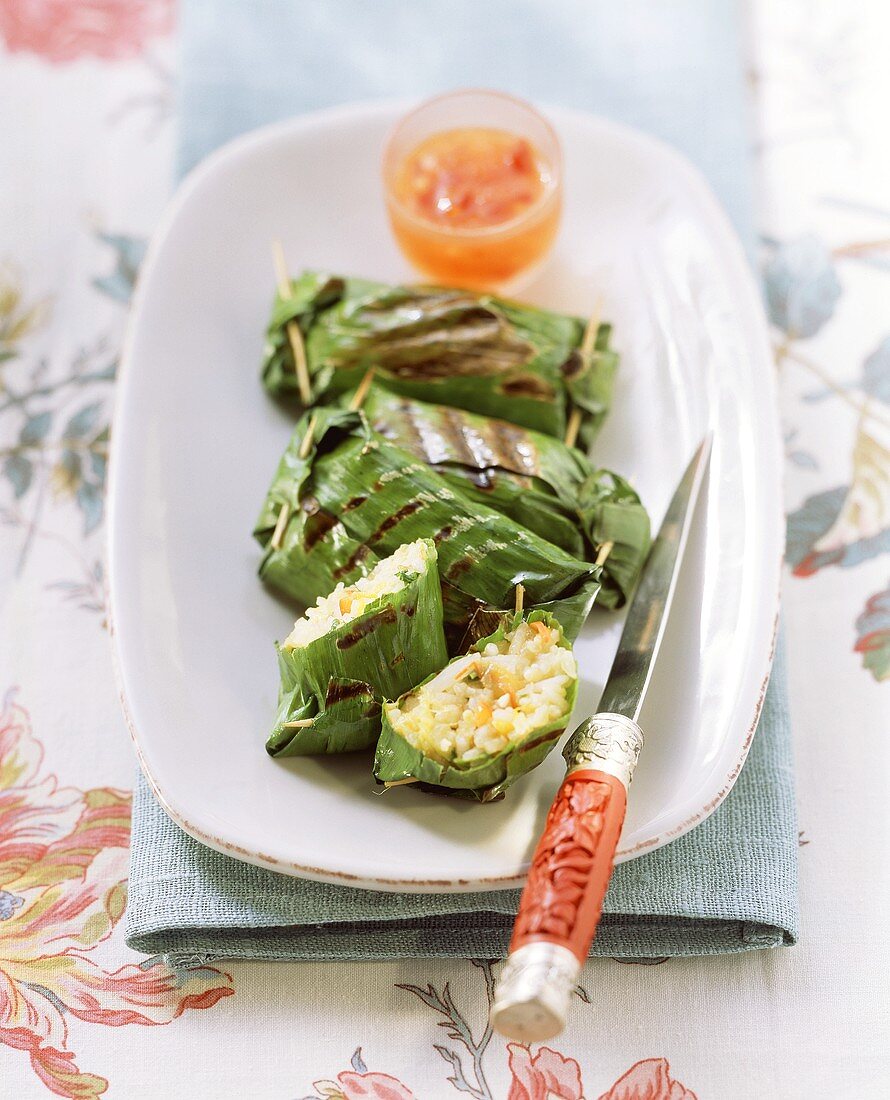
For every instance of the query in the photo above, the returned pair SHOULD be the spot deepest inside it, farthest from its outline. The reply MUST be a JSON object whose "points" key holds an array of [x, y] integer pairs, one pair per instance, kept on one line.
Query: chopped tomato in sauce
{"points": [[471, 178]]}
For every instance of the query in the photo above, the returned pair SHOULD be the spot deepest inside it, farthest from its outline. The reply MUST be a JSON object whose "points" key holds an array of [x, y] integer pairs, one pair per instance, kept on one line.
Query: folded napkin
{"points": [[676, 71]]}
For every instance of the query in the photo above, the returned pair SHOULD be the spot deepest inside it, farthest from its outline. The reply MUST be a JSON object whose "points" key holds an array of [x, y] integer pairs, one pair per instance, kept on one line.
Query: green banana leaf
{"points": [[484, 779], [340, 679], [346, 719], [538, 481], [446, 346], [355, 497]]}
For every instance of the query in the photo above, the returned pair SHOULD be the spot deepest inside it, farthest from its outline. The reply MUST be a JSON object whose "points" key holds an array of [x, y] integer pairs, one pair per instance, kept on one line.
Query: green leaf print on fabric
{"points": [[873, 635], [802, 286]]}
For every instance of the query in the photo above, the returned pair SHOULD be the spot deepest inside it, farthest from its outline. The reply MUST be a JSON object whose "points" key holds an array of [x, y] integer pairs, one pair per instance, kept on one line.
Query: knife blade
{"points": [[647, 615], [561, 904]]}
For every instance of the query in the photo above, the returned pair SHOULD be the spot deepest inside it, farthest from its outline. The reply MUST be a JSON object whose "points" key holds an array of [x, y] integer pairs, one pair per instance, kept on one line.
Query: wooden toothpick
{"points": [[362, 392], [400, 782], [280, 525], [299, 724], [593, 326], [574, 426], [306, 444], [604, 551], [520, 598], [285, 512], [588, 344], [293, 329]]}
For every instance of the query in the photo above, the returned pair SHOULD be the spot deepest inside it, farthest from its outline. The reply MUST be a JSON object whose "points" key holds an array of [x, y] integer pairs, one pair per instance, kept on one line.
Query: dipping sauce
{"points": [[471, 178], [474, 205]]}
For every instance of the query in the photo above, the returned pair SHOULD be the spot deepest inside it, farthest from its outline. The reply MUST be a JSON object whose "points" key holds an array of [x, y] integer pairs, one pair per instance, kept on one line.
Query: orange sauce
{"points": [[474, 206]]}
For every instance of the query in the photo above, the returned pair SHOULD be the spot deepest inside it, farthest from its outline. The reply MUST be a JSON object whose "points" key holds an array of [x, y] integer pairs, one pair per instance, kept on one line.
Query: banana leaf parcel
{"points": [[337, 506], [552, 489], [445, 346], [358, 646], [487, 717]]}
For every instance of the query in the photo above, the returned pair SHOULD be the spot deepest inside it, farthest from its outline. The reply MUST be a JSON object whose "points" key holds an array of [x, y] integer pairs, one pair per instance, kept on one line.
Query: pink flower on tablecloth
{"points": [[547, 1075], [65, 30], [372, 1086], [63, 864], [543, 1076], [363, 1086], [648, 1080]]}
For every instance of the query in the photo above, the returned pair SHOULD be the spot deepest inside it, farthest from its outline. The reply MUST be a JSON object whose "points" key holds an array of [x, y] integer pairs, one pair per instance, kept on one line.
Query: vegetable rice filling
{"points": [[486, 702], [348, 602]]}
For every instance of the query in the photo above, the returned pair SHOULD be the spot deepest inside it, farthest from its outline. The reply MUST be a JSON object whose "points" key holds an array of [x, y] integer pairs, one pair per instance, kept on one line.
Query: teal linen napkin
{"points": [[676, 71]]}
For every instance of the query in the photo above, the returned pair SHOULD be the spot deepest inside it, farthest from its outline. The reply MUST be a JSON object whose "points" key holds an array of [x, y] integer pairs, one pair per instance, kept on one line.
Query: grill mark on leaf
{"points": [[351, 562], [432, 335], [514, 447], [574, 366], [317, 525], [394, 520], [528, 385], [542, 740], [338, 691], [458, 567], [385, 616]]}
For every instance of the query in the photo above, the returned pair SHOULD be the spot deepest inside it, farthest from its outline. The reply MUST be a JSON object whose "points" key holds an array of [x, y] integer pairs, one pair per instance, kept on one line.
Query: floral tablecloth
{"points": [[86, 166]]}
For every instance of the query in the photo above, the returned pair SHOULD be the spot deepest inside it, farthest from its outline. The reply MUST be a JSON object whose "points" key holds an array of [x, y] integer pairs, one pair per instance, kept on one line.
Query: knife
{"points": [[563, 896]]}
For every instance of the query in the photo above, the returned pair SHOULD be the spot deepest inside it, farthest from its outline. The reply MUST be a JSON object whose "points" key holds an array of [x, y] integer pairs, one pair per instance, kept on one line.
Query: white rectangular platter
{"points": [[196, 441]]}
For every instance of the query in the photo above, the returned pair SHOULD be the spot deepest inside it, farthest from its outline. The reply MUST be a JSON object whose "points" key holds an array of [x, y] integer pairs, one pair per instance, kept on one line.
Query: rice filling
{"points": [[348, 602], [485, 703]]}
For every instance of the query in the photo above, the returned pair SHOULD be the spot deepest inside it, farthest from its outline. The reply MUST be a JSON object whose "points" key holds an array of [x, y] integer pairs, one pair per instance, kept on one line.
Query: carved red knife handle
{"points": [[563, 897], [572, 865]]}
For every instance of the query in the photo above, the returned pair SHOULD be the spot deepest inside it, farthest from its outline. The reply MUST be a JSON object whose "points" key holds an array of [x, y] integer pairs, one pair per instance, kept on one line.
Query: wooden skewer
{"points": [[362, 392], [858, 247], [588, 344], [593, 326], [284, 514], [293, 329], [605, 551], [306, 444], [280, 525], [520, 598], [299, 724], [574, 426]]}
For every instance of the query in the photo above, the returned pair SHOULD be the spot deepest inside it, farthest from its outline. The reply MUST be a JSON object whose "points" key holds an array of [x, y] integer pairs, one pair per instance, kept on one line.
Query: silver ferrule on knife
{"points": [[609, 743]]}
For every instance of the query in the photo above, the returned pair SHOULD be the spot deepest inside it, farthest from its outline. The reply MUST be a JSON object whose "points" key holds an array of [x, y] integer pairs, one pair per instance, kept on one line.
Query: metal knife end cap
{"points": [[535, 988]]}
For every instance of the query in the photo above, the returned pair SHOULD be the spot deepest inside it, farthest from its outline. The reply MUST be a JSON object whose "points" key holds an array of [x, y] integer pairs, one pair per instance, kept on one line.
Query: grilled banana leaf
{"points": [[345, 718], [354, 497], [483, 778], [339, 679], [552, 489], [446, 346]]}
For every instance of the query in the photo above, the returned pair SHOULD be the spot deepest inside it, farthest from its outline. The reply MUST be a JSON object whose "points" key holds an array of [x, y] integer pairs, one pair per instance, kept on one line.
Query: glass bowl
{"points": [[500, 256]]}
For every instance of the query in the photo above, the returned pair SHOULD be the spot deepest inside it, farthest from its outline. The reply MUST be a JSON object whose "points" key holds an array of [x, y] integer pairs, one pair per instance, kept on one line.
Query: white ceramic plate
{"points": [[196, 442]]}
